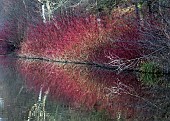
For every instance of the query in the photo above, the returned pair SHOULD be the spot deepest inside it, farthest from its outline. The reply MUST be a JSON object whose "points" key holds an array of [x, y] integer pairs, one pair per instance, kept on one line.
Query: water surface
{"points": [[37, 90]]}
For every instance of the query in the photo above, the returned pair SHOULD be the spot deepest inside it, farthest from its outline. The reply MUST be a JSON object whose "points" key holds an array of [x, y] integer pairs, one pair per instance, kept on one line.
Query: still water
{"points": [[37, 90]]}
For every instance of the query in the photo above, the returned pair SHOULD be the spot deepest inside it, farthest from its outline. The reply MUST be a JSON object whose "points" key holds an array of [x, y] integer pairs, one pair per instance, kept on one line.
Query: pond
{"points": [[40, 90]]}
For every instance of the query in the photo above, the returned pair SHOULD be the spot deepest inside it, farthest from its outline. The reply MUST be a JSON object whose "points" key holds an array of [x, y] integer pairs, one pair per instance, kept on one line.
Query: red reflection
{"points": [[84, 86]]}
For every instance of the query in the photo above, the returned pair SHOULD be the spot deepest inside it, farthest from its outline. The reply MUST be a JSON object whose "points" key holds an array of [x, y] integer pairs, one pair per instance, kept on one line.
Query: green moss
{"points": [[150, 73], [149, 79], [149, 67]]}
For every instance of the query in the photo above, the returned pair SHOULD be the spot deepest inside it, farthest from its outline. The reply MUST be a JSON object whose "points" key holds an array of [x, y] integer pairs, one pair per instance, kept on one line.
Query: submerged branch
{"points": [[92, 64], [127, 64]]}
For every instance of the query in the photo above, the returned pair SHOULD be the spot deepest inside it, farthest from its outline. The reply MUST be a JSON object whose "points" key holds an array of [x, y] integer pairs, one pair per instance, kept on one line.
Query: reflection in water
{"points": [[90, 88], [77, 92], [12, 92], [3, 92], [1, 108], [1, 104]]}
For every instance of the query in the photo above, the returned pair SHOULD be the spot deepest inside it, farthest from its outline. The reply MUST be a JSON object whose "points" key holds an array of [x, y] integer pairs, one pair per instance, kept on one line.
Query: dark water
{"points": [[36, 90]]}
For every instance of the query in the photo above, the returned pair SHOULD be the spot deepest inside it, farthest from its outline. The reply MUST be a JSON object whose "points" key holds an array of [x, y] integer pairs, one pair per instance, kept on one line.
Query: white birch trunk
{"points": [[43, 13]]}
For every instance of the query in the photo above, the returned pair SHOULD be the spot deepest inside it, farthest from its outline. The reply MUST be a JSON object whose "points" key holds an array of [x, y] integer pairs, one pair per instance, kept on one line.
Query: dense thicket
{"points": [[151, 17]]}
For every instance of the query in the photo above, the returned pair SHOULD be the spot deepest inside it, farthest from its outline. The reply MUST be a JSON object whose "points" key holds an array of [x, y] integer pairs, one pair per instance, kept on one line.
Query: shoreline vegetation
{"points": [[133, 33], [153, 69], [141, 69]]}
